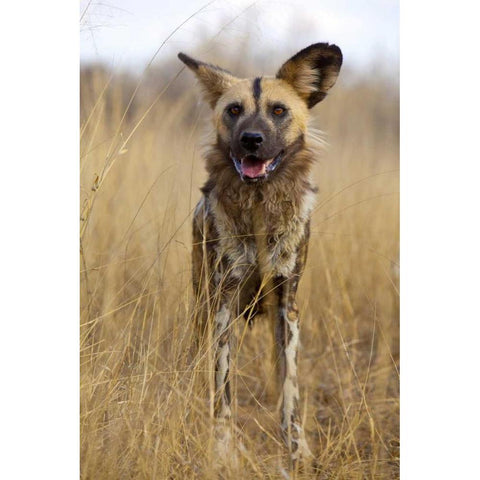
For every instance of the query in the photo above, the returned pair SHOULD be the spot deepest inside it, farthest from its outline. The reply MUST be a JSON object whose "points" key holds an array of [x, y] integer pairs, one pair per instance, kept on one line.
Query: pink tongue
{"points": [[252, 168]]}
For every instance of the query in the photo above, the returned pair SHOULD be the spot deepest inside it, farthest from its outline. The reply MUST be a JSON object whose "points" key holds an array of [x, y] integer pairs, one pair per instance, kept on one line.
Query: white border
{"points": [[39, 240], [439, 240]]}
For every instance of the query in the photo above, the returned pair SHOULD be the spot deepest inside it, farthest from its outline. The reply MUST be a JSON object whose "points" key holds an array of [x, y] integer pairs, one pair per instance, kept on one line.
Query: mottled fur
{"points": [[251, 227]]}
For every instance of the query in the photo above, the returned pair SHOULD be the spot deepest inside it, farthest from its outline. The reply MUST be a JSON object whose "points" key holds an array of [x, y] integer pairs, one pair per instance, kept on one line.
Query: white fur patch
{"points": [[292, 348], [221, 318], [223, 353], [309, 200], [199, 207]]}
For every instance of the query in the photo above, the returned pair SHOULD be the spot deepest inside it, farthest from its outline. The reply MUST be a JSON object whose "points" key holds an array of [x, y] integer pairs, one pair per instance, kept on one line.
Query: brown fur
{"points": [[251, 230]]}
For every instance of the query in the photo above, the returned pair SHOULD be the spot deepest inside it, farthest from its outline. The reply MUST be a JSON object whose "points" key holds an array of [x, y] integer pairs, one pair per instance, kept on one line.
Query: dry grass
{"points": [[144, 401]]}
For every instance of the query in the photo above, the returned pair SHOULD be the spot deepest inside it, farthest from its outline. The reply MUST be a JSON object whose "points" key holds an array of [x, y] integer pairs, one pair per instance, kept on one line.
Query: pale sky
{"points": [[126, 33]]}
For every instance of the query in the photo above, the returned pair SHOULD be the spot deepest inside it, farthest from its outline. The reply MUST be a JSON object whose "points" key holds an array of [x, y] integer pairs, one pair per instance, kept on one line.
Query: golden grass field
{"points": [[144, 398]]}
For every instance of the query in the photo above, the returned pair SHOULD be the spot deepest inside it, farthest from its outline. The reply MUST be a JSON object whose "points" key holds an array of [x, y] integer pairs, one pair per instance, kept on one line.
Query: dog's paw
{"points": [[303, 450], [224, 450]]}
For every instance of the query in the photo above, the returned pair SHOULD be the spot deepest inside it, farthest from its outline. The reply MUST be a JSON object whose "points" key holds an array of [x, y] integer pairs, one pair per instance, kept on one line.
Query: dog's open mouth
{"points": [[254, 168]]}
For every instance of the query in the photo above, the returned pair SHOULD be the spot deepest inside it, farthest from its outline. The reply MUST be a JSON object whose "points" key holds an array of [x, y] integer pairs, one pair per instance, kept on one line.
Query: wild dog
{"points": [[251, 227]]}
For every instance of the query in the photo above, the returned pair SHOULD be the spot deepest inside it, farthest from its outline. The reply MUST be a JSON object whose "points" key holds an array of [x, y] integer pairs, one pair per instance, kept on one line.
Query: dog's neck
{"points": [[286, 198]]}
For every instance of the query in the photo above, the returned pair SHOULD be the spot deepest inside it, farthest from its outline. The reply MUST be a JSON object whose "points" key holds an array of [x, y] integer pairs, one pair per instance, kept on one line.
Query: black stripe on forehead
{"points": [[257, 88]]}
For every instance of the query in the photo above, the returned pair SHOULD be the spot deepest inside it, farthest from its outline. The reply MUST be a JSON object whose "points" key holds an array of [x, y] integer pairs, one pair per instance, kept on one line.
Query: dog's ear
{"points": [[313, 71], [215, 80]]}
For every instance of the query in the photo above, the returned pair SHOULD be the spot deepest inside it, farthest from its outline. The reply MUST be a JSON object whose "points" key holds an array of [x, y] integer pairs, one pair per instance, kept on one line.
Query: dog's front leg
{"points": [[222, 363], [222, 397], [287, 333]]}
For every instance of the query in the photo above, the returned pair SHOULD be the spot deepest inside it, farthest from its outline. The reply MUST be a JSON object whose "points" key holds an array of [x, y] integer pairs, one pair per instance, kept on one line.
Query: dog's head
{"points": [[260, 121]]}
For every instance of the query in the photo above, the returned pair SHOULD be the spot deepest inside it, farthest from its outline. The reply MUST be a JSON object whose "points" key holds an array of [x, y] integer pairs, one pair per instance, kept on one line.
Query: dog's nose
{"points": [[251, 140]]}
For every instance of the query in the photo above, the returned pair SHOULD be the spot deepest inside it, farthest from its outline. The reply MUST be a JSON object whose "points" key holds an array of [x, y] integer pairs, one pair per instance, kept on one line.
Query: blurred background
{"points": [[127, 33], [143, 128]]}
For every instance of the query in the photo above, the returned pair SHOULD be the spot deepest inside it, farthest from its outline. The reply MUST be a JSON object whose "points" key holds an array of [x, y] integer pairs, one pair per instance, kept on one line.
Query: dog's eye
{"points": [[278, 110], [235, 110]]}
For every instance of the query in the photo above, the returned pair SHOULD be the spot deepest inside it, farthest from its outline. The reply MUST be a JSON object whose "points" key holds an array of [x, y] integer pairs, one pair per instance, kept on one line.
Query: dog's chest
{"points": [[263, 233]]}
